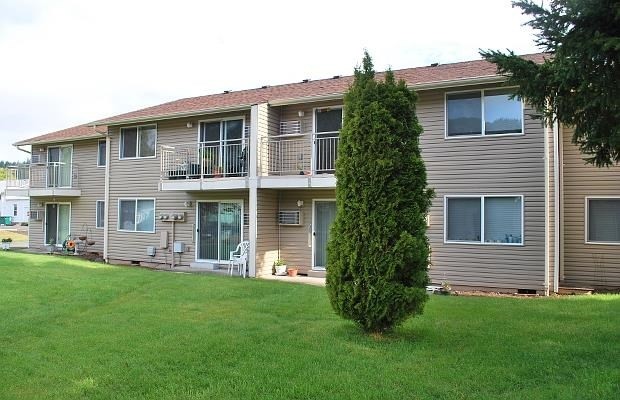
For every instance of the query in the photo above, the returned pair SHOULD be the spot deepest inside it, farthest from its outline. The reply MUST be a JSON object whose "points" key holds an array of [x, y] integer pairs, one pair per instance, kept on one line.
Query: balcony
{"points": [[305, 160], [206, 165], [17, 180], [52, 179]]}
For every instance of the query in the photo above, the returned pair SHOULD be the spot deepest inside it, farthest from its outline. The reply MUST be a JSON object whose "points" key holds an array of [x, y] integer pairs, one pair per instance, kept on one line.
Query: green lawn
{"points": [[71, 329]]}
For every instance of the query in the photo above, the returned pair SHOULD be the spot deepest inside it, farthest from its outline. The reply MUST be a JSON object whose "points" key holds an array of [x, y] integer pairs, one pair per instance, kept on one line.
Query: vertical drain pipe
{"points": [[557, 204]]}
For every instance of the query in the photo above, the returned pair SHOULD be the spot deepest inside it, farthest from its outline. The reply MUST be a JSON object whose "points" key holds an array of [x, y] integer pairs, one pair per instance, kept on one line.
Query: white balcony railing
{"points": [[54, 175], [306, 154], [18, 177], [40, 176], [228, 158]]}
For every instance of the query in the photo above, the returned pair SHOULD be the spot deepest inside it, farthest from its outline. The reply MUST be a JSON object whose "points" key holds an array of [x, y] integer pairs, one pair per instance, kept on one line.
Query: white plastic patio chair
{"points": [[239, 258]]}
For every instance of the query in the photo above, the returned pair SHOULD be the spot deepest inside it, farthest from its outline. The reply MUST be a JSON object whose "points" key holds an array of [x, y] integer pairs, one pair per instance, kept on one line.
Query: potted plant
{"points": [[51, 246], [280, 267], [6, 243], [292, 272]]}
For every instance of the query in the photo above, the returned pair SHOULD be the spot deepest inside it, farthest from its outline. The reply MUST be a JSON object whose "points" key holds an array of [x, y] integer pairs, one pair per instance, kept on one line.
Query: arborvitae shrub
{"points": [[378, 252]]}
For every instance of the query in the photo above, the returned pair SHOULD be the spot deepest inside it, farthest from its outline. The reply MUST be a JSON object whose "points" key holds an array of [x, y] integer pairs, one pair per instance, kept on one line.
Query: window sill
{"points": [[482, 136], [484, 243], [603, 243]]}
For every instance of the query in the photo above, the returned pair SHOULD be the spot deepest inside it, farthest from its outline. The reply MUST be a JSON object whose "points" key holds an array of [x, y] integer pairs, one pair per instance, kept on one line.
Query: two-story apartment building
{"points": [[258, 165]]}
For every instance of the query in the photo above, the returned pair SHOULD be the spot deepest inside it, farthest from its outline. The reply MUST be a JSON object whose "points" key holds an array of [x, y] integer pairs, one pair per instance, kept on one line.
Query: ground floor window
{"points": [[484, 219], [603, 220], [15, 210], [136, 215], [219, 229], [100, 212]]}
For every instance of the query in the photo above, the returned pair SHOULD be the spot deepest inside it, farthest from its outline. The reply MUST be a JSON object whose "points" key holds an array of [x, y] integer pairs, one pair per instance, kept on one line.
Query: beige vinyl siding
{"points": [[586, 265], [296, 241], [552, 209], [139, 178], [90, 180], [267, 227], [492, 165]]}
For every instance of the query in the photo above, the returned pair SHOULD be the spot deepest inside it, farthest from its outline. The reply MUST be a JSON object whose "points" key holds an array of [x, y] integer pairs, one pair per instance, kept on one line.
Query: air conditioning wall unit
{"points": [[290, 217]]}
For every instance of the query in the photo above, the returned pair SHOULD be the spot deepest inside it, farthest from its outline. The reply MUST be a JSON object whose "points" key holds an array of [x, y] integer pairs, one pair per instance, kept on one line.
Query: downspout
{"points": [[557, 206], [547, 200], [106, 197]]}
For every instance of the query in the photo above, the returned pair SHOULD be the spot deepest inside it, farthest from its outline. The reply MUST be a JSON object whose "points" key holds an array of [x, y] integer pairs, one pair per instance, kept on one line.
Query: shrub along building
{"points": [[515, 206]]}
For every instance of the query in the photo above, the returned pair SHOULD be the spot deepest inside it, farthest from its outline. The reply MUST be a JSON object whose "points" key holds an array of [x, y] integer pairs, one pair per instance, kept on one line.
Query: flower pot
{"points": [[280, 270], [292, 272], [82, 238]]}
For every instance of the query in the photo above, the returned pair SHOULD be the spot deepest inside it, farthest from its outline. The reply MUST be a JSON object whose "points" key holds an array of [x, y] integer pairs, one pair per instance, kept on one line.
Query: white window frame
{"points": [[586, 226], [118, 218], [314, 112], [481, 197], [220, 120], [315, 133], [97, 215], [99, 153], [120, 143], [483, 134]]}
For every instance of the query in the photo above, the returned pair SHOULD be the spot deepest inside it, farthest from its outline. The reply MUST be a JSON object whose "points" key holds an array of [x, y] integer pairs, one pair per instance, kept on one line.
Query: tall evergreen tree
{"points": [[378, 252], [579, 83]]}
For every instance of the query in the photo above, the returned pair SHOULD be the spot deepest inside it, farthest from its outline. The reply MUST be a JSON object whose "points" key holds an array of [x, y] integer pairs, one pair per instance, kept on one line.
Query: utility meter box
{"points": [[179, 247]]}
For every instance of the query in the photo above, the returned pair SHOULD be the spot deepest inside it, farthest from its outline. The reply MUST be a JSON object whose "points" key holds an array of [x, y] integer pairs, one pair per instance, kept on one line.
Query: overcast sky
{"points": [[67, 62]]}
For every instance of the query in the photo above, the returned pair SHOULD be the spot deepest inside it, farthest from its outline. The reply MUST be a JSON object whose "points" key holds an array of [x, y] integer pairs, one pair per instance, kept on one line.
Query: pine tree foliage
{"points": [[378, 252], [579, 83]]}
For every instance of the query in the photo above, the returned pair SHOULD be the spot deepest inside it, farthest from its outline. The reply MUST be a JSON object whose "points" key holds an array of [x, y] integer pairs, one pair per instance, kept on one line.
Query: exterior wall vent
{"points": [[289, 217]]}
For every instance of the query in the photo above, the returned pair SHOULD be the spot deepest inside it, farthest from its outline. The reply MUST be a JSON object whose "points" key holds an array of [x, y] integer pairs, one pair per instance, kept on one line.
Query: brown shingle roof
{"points": [[421, 76], [74, 133], [413, 77]]}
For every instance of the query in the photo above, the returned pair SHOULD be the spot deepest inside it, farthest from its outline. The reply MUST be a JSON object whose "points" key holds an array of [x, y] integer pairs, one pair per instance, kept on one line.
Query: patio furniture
{"points": [[239, 258]]}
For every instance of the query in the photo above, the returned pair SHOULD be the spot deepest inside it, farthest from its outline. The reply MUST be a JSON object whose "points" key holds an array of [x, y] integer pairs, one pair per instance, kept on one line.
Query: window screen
{"points": [[502, 220], [464, 114], [604, 220], [463, 222]]}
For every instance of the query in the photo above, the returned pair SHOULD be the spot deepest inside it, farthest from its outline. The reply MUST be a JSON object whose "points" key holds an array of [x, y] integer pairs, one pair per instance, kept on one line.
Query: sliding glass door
{"points": [[222, 146], [57, 223], [59, 166], [219, 229]]}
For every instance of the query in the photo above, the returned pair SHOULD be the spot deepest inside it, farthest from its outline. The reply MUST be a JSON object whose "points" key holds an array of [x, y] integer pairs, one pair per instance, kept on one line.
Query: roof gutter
{"points": [[112, 122], [481, 80], [417, 86], [20, 149]]}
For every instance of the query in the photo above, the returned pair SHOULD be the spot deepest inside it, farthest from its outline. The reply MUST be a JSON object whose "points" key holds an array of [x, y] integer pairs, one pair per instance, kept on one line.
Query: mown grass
{"points": [[71, 329], [14, 235]]}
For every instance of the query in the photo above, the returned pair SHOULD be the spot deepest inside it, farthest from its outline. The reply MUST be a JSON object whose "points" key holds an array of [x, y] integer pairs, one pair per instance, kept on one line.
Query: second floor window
{"points": [[483, 113], [101, 154], [138, 141]]}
